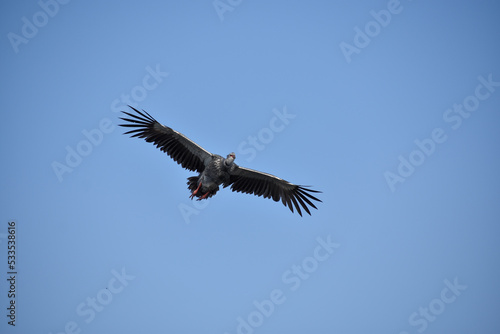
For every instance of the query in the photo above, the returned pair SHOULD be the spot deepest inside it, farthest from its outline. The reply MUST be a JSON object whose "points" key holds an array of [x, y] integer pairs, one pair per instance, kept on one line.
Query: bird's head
{"points": [[230, 158]]}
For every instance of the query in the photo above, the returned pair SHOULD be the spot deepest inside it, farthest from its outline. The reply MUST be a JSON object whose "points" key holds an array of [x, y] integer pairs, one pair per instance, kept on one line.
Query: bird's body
{"points": [[213, 169], [215, 173]]}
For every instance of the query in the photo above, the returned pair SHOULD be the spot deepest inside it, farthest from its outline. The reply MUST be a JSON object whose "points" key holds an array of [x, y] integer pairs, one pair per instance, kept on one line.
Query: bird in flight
{"points": [[213, 169]]}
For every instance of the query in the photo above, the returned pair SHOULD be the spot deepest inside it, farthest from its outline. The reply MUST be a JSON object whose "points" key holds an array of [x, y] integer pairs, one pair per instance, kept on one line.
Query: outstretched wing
{"points": [[179, 147], [250, 181]]}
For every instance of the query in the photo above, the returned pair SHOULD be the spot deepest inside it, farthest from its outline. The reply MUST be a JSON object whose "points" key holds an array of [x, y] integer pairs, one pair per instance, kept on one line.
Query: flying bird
{"points": [[213, 169]]}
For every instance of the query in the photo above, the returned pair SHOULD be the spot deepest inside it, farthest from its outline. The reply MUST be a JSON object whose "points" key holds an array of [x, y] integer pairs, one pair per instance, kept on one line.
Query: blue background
{"points": [[188, 267]]}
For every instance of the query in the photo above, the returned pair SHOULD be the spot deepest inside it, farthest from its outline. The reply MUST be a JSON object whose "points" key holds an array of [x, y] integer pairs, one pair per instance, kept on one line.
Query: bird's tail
{"points": [[193, 185]]}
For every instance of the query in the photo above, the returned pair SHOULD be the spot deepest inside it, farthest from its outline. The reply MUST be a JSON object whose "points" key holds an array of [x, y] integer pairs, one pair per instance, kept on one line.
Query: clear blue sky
{"points": [[390, 108]]}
